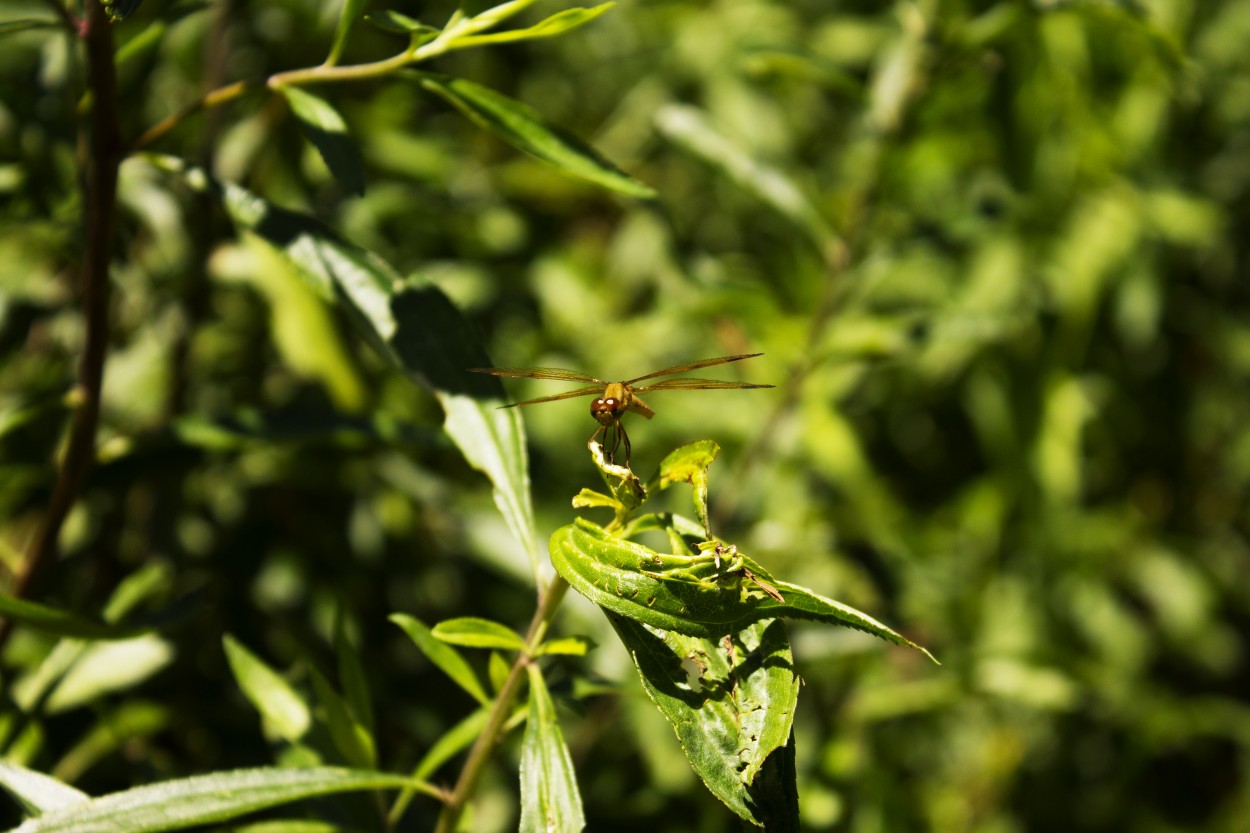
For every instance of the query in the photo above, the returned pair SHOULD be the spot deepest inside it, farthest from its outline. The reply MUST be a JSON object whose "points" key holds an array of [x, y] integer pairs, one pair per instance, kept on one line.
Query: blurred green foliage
{"points": [[995, 254]]}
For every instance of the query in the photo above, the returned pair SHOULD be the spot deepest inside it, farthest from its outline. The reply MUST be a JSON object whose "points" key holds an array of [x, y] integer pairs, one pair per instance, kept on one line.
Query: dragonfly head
{"points": [[607, 409]]}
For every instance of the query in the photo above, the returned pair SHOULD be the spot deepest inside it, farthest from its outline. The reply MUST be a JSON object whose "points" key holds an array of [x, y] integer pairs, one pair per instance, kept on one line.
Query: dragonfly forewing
{"points": [[697, 384], [558, 374], [568, 394], [682, 368]]}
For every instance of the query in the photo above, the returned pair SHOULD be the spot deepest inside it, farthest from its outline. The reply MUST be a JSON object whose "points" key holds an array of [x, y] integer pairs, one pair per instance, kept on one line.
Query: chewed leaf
{"points": [[691, 594], [689, 464], [731, 702], [521, 126], [119, 10]]}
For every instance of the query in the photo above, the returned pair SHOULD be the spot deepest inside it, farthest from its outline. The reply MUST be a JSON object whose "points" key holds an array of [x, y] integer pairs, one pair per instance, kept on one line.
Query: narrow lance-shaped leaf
{"points": [[284, 710], [550, 801], [60, 622], [444, 656], [347, 20], [352, 740], [519, 125], [38, 793], [731, 702], [205, 799], [689, 128], [557, 24], [474, 632], [413, 324], [326, 129], [352, 676]]}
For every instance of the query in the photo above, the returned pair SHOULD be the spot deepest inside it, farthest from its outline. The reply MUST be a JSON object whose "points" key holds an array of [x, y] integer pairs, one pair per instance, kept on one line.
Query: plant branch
{"points": [[104, 154], [484, 746]]}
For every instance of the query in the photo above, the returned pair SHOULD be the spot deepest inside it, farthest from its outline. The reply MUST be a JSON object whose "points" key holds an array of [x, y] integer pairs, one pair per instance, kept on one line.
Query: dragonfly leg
{"points": [[623, 437]]}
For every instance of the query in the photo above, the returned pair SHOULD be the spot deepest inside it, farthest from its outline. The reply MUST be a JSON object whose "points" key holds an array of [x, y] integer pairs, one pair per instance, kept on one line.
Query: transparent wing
{"points": [[696, 384], [557, 373], [566, 395], [682, 368]]}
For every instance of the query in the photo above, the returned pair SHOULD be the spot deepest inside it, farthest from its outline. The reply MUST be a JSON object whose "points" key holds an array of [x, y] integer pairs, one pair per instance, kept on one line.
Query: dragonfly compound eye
{"points": [[605, 409]]}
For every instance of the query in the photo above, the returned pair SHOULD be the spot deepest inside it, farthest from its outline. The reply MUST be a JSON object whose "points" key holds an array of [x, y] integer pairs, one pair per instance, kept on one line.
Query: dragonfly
{"points": [[615, 399]]}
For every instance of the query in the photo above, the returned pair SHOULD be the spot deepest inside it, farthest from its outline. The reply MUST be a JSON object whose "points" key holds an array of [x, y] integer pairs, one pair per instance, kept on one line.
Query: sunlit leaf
{"points": [[574, 646], [519, 125], [118, 10], [284, 710], [326, 129], [474, 632], [557, 24], [38, 793], [204, 799], [688, 464], [690, 594], [107, 667], [550, 801]]}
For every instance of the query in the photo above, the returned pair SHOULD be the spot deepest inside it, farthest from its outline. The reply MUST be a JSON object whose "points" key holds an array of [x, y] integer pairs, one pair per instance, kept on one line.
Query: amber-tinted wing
{"points": [[682, 368], [554, 397], [696, 384], [559, 374]]}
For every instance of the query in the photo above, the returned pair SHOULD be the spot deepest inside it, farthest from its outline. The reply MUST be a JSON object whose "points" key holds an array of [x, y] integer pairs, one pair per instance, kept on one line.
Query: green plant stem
{"points": [[458, 27], [484, 746], [104, 154]]}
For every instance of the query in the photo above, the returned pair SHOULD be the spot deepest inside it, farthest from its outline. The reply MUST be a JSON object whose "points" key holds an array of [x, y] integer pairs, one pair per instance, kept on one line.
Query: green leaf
{"points": [[473, 632], [107, 667], [731, 702], [690, 594], [353, 740], [573, 646], [347, 19], [550, 801], [445, 657], [36, 792], [689, 128], [401, 24], [205, 799], [352, 676], [498, 670], [523, 128], [284, 711], [415, 326], [557, 24], [60, 622], [689, 464], [9, 27], [326, 129], [119, 10]]}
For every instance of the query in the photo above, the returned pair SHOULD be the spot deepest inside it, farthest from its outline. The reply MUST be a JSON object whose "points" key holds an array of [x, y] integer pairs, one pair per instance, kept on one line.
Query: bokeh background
{"points": [[995, 254]]}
